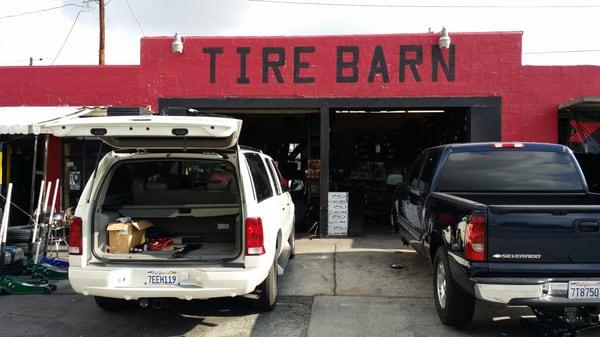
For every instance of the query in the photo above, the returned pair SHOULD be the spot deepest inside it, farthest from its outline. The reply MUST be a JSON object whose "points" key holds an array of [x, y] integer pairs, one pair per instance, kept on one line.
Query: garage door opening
{"points": [[291, 138], [314, 139], [369, 145]]}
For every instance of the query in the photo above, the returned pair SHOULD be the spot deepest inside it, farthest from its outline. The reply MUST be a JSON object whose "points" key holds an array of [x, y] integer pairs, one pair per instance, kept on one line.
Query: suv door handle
{"points": [[588, 226]]}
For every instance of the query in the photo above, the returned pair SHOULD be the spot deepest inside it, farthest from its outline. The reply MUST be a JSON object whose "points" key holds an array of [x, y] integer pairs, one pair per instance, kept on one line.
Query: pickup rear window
{"points": [[510, 171]]}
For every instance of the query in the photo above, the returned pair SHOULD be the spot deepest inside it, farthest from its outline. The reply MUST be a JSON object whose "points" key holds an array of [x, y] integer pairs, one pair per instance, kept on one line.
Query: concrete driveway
{"points": [[334, 287]]}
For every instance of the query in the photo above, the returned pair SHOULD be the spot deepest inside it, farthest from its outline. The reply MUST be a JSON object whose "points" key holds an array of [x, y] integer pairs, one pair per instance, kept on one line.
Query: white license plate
{"points": [[584, 289], [161, 278]]}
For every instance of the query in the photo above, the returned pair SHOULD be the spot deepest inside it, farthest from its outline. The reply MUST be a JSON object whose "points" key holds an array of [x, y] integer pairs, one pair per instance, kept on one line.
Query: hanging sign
{"points": [[337, 214]]}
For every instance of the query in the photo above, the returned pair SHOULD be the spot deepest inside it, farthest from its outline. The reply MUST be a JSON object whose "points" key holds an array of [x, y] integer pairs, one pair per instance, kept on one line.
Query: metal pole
{"points": [[49, 225], [33, 174], [101, 49], [37, 214], [36, 258], [46, 145], [324, 182]]}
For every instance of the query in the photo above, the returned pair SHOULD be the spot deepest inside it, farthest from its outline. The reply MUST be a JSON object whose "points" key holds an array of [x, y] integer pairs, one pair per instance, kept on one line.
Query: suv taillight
{"points": [[75, 236], [475, 238], [255, 243]]}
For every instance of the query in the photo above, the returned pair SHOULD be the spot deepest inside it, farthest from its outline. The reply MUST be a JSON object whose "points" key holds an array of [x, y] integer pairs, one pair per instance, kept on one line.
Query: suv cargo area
{"points": [[169, 209]]}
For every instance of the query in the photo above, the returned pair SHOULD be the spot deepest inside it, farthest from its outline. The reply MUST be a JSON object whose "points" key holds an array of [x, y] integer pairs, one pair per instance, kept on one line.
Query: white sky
{"points": [[41, 35]]}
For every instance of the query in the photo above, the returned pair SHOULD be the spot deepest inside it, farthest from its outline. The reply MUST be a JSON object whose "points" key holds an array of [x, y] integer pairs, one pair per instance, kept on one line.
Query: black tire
{"points": [[267, 291], [458, 306], [112, 304], [18, 234], [292, 242]]}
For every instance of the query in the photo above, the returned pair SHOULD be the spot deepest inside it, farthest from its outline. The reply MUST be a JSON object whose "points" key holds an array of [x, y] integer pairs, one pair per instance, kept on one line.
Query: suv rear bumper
{"points": [[128, 283], [529, 291]]}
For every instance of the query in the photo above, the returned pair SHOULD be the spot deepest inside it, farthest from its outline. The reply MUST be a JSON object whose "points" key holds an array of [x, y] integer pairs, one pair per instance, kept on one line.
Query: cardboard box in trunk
{"points": [[124, 236]]}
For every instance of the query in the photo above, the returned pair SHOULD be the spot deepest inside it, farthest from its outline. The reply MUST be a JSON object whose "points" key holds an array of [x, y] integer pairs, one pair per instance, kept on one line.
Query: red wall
{"points": [[486, 64]]}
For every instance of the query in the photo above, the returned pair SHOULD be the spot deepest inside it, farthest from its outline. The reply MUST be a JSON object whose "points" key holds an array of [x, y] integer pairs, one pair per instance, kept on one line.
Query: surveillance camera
{"points": [[177, 44], [444, 40]]}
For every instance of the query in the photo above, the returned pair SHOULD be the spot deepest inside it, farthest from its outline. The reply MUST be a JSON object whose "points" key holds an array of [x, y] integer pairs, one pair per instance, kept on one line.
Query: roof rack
{"points": [[184, 111], [250, 148], [127, 111]]}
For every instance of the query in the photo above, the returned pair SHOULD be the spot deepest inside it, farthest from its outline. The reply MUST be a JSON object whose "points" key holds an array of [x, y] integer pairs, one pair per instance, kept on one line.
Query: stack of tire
{"points": [[18, 241], [20, 236]]}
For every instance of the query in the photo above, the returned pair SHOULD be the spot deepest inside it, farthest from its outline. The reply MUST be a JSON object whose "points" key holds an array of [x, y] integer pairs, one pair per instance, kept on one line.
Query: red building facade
{"points": [[485, 64], [308, 67]]}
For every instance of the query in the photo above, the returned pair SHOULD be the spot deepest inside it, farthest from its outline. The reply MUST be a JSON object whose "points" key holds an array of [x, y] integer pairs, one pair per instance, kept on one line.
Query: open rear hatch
{"points": [[153, 132], [164, 205]]}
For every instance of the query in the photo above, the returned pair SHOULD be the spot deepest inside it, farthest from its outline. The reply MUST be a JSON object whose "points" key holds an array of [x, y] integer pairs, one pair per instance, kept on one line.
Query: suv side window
{"points": [[282, 182], [271, 166], [415, 170], [427, 174], [260, 177]]}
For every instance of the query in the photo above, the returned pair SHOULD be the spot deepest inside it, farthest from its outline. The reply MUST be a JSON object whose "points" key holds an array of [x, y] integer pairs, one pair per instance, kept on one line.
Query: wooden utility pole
{"points": [[101, 49]]}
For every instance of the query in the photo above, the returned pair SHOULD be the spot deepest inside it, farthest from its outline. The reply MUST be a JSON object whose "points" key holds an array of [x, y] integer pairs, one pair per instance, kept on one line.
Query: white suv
{"points": [[215, 218]]}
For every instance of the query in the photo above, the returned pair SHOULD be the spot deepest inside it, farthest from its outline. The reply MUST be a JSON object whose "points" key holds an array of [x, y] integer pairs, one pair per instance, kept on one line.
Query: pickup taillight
{"points": [[255, 241], [75, 236], [475, 238]]}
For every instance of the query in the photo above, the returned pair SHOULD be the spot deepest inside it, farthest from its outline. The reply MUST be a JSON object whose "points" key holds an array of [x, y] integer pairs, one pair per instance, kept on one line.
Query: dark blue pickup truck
{"points": [[511, 223]]}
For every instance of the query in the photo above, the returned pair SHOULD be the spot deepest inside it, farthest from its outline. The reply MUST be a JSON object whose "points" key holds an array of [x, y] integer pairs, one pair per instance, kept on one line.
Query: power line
{"points": [[39, 11], [134, 16], [562, 51], [46, 58], [18, 208], [67, 37], [419, 6]]}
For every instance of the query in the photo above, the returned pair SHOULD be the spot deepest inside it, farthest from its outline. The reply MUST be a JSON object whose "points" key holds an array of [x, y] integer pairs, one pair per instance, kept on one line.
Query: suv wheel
{"points": [[112, 304], [454, 305], [267, 291]]}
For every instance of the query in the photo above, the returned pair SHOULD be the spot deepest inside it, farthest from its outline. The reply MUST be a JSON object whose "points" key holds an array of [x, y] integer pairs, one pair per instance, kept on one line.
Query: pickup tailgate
{"points": [[547, 234]]}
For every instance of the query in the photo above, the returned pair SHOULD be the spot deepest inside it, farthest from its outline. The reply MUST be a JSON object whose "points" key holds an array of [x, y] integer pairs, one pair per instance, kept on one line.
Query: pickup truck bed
{"points": [[562, 199]]}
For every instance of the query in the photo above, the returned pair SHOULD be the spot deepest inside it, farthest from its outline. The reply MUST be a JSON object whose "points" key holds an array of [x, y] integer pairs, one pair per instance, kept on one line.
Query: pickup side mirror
{"points": [[395, 179], [295, 185]]}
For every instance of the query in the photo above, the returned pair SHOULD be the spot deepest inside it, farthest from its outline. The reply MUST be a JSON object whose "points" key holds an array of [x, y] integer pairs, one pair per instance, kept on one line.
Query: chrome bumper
{"points": [[528, 292]]}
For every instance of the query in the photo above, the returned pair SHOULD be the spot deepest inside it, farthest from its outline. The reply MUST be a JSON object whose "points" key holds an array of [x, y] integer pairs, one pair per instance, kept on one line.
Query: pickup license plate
{"points": [[161, 278], [584, 289]]}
